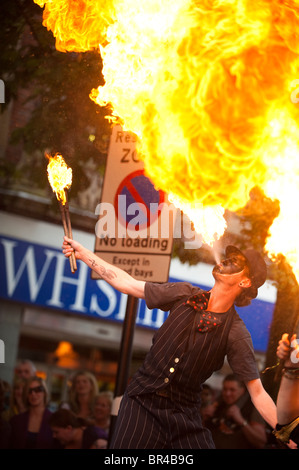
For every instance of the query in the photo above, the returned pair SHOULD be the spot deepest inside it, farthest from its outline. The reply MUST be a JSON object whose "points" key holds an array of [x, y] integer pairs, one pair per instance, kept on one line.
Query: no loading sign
{"points": [[137, 202], [134, 230]]}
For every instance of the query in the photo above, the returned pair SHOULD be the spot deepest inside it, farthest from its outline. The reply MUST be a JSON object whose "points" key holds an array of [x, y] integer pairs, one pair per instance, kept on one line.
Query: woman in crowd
{"points": [[83, 390], [73, 432], [16, 403], [102, 410], [31, 429]]}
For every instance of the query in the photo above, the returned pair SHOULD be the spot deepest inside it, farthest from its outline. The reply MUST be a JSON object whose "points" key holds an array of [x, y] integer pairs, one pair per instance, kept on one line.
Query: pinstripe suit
{"points": [[160, 408]]}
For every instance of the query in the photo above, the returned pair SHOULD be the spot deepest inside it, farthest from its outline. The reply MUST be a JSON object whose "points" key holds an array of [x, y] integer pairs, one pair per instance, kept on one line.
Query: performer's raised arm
{"points": [[116, 277], [288, 394]]}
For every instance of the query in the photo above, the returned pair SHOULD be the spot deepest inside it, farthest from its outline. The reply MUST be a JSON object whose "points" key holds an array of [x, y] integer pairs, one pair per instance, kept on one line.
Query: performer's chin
{"points": [[216, 269], [216, 272]]}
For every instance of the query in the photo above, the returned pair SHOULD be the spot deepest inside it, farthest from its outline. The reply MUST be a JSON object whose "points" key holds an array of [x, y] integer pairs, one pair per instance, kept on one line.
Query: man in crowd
{"points": [[234, 422], [25, 369]]}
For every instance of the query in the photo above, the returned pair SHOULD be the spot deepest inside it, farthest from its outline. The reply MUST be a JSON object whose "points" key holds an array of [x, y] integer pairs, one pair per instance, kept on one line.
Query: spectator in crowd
{"points": [[287, 429], [235, 423], [16, 401], [31, 429], [207, 398], [102, 410], [5, 394], [4, 424], [73, 432], [82, 393], [25, 369]]}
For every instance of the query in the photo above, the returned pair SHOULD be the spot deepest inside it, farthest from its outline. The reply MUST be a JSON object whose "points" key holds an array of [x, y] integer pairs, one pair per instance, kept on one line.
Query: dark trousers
{"points": [[151, 421]]}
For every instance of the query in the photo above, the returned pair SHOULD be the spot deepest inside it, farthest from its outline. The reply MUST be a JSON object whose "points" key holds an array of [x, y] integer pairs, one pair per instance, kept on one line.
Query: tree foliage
{"points": [[53, 89]]}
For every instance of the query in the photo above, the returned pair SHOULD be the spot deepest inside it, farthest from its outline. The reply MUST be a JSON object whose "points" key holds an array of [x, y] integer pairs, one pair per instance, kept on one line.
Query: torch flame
{"points": [[206, 86], [59, 176]]}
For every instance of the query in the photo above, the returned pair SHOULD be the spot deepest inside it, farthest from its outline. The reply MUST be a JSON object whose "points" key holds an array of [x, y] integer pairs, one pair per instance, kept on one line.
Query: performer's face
{"points": [[233, 264]]}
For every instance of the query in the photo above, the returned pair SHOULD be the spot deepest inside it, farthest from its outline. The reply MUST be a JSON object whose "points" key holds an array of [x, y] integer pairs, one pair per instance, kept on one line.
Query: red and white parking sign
{"points": [[135, 225]]}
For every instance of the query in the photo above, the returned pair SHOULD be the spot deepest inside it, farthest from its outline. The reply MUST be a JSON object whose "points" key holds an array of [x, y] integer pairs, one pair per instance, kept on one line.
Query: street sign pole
{"points": [[124, 361], [146, 257]]}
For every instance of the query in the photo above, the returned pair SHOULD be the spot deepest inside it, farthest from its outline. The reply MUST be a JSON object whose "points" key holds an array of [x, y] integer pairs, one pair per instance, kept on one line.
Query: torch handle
{"points": [[68, 232], [63, 218], [69, 227]]}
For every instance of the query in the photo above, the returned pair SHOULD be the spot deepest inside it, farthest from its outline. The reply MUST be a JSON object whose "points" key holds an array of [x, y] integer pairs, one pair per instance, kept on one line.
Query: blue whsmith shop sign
{"points": [[40, 275]]}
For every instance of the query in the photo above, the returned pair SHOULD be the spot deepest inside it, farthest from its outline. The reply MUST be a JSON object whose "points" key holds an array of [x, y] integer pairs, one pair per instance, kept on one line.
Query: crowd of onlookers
{"points": [[82, 422]]}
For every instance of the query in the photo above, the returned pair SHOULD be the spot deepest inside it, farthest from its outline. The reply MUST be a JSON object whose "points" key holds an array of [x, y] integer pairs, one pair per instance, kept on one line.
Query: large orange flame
{"points": [[77, 25], [206, 85]]}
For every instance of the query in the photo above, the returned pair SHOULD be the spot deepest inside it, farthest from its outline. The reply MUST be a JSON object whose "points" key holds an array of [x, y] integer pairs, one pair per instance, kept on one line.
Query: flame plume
{"points": [[77, 25], [206, 85]]}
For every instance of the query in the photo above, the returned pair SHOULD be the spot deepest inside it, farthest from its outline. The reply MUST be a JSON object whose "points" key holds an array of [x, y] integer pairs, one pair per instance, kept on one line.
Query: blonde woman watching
{"points": [[82, 393]]}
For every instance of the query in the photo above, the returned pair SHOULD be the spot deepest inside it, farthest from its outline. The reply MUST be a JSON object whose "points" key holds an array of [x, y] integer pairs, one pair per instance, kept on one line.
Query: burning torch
{"points": [[60, 179]]}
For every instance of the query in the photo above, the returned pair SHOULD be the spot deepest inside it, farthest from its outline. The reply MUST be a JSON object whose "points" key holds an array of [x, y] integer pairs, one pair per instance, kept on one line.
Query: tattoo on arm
{"points": [[92, 262], [107, 273], [104, 273]]}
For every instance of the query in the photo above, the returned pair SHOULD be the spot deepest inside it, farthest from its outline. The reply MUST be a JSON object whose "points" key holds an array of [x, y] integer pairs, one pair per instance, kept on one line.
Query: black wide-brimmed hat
{"points": [[255, 262]]}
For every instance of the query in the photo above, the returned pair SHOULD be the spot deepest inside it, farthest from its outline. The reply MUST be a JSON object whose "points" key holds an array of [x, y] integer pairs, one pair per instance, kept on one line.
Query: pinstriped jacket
{"points": [[181, 358]]}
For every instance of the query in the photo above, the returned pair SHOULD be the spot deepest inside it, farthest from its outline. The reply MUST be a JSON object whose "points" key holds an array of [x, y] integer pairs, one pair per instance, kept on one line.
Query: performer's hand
{"points": [[69, 246], [294, 356], [284, 349]]}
